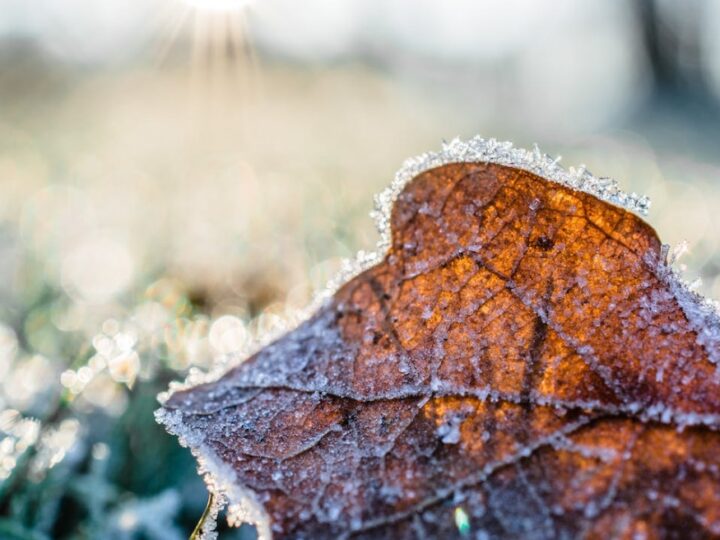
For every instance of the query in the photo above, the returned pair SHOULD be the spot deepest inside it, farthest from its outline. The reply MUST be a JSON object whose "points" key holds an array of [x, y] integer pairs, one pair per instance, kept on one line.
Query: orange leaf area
{"points": [[517, 366]]}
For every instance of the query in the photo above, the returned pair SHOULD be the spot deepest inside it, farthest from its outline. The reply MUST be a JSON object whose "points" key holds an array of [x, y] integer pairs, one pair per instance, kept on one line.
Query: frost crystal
{"points": [[220, 480], [479, 150]]}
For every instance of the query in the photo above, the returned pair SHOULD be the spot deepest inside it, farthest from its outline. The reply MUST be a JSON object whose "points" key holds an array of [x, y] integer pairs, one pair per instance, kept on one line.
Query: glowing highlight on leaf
{"points": [[462, 521]]}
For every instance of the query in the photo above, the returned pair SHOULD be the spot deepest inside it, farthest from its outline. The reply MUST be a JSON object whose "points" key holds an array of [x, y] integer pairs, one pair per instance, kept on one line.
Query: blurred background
{"points": [[178, 177]]}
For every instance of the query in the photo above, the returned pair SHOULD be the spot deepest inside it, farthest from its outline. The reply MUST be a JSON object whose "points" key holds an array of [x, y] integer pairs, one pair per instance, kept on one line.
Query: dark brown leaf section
{"points": [[516, 367]]}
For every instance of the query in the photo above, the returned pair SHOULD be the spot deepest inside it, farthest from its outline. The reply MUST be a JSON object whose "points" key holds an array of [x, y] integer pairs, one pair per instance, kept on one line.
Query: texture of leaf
{"points": [[519, 365]]}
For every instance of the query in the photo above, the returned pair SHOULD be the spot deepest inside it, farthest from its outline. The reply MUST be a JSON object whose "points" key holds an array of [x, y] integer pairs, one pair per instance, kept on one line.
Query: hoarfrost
{"points": [[221, 482], [479, 150]]}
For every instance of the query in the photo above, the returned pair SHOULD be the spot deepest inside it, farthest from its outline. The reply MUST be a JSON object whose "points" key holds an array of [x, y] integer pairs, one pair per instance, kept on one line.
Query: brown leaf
{"points": [[521, 364]]}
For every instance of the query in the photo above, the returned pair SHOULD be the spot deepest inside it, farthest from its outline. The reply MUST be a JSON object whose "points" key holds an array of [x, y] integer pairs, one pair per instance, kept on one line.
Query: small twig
{"points": [[199, 527]]}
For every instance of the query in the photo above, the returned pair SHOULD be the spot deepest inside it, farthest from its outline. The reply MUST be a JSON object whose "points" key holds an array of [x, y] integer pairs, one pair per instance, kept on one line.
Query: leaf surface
{"points": [[519, 365]]}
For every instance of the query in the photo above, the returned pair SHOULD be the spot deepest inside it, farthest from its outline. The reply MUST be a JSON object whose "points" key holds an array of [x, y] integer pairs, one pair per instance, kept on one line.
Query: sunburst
{"points": [[223, 64], [218, 5]]}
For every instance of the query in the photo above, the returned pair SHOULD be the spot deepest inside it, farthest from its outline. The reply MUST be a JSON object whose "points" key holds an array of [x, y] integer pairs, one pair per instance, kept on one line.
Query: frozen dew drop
{"points": [[228, 335]]}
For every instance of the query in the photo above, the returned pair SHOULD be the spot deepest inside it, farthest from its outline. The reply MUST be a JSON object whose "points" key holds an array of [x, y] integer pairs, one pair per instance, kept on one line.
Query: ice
{"points": [[450, 433], [703, 314], [478, 149], [242, 504]]}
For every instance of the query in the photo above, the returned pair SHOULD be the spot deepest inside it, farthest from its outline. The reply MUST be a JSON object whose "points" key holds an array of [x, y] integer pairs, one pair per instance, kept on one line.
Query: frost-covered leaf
{"points": [[521, 364]]}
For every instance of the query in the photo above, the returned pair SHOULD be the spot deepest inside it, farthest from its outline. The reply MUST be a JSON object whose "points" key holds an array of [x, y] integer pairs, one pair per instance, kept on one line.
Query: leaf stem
{"points": [[197, 532]]}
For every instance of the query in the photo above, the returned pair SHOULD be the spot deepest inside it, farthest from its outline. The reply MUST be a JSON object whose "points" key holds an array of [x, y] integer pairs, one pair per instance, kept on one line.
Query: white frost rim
{"points": [[479, 150], [221, 482]]}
